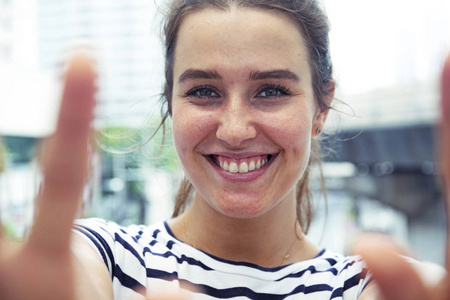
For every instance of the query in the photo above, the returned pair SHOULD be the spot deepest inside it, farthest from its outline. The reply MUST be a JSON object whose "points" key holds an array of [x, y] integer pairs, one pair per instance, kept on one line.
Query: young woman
{"points": [[248, 87]]}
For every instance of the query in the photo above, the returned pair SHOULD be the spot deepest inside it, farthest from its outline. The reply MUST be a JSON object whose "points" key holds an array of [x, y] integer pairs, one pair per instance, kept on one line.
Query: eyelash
{"points": [[282, 90], [192, 92]]}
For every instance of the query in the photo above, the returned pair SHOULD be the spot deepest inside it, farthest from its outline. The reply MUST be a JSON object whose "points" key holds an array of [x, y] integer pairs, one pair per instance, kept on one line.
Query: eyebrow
{"points": [[274, 74], [198, 74], [254, 75]]}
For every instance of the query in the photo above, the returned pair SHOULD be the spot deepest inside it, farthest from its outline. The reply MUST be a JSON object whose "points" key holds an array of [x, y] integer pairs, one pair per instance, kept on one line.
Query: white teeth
{"points": [[233, 167], [243, 167], [251, 166]]}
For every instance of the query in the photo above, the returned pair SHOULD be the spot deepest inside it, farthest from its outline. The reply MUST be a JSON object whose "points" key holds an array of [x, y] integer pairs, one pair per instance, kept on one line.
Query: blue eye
{"points": [[273, 91], [202, 93]]}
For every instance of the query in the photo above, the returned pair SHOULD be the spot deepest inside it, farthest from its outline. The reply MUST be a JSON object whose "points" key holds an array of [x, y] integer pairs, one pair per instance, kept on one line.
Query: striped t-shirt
{"points": [[150, 258]]}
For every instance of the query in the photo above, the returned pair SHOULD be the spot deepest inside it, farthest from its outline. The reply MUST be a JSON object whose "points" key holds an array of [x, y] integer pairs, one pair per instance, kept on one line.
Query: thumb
{"points": [[394, 275]]}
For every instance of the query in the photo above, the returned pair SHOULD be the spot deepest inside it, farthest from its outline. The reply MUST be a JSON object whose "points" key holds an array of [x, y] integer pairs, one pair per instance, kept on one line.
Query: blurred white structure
{"points": [[27, 95], [124, 39], [37, 36], [388, 55]]}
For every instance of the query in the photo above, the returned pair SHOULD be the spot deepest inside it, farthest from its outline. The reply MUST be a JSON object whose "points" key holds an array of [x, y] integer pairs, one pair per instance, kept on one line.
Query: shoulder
{"points": [[348, 276], [340, 263], [119, 246], [129, 252], [106, 234], [112, 231]]}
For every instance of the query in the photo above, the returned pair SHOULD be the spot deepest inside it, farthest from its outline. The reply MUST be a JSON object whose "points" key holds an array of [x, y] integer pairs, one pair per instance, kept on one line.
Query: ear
{"points": [[319, 121], [322, 111]]}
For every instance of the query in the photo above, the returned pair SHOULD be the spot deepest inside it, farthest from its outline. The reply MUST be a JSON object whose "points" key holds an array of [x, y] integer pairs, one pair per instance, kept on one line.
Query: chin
{"points": [[242, 207]]}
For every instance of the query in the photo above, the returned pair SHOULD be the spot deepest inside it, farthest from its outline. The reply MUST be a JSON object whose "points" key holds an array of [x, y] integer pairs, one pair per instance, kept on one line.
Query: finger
{"points": [[64, 160], [395, 278]]}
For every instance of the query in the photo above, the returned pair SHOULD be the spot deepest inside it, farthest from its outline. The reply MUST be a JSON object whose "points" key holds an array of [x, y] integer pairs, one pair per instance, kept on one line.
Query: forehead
{"points": [[239, 37]]}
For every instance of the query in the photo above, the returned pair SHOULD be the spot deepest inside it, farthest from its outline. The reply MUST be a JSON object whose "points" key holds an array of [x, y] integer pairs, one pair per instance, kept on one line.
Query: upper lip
{"points": [[240, 155]]}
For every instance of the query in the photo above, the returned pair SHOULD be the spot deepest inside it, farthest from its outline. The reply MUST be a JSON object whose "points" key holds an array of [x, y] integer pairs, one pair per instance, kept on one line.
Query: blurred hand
{"points": [[397, 279], [43, 267], [52, 264]]}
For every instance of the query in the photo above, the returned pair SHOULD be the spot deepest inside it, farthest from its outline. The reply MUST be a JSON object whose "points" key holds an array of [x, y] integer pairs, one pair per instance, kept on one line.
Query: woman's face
{"points": [[243, 108]]}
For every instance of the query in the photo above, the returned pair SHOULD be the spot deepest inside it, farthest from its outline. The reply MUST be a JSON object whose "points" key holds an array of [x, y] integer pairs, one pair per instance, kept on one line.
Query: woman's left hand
{"points": [[396, 278]]}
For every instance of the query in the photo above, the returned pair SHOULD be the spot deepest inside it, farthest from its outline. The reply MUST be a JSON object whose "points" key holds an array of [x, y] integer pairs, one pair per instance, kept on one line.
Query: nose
{"points": [[236, 123]]}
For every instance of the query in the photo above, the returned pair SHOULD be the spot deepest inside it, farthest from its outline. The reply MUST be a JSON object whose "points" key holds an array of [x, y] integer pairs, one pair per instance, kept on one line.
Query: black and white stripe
{"points": [[151, 258]]}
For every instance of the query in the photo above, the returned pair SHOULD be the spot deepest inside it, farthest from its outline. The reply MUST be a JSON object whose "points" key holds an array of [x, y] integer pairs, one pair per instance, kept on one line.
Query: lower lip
{"points": [[241, 177]]}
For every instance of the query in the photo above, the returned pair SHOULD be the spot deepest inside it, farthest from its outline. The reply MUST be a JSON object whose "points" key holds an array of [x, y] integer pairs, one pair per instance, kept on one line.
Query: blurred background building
{"points": [[381, 168]]}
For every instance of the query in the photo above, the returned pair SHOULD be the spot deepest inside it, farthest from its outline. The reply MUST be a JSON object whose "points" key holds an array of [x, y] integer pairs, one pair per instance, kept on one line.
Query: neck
{"points": [[272, 239]]}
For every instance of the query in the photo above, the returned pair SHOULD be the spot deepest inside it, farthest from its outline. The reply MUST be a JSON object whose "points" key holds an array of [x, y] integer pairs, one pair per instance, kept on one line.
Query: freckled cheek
{"points": [[292, 135], [190, 129]]}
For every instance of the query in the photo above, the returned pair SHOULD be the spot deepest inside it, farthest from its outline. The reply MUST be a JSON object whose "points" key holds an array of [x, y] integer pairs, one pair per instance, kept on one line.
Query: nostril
{"points": [[235, 132]]}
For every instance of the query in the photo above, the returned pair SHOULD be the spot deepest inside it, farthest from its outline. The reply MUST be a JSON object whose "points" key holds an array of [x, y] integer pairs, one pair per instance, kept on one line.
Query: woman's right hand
{"points": [[43, 267]]}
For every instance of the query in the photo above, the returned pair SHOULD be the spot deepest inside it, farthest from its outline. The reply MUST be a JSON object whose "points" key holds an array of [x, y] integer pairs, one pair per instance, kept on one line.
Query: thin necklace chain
{"points": [[297, 238], [286, 257]]}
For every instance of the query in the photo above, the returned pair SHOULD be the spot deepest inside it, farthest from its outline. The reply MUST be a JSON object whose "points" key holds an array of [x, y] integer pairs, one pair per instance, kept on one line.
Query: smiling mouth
{"points": [[241, 165]]}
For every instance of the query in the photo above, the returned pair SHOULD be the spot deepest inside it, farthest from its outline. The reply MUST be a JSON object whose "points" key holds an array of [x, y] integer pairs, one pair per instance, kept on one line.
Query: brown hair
{"points": [[313, 24]]}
